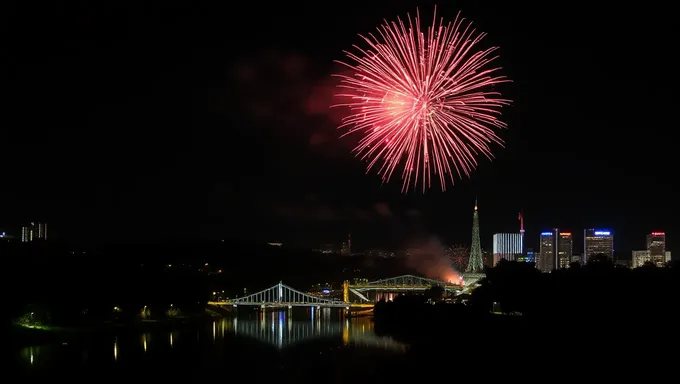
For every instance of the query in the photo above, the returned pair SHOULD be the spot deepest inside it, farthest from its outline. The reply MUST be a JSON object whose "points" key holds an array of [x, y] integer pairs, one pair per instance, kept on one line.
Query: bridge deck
{"points": [[402, 287], [285, 305]]}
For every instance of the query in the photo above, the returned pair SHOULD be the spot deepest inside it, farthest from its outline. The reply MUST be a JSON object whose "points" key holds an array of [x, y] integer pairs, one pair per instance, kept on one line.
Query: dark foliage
{"points": [[72, 283], [600, 317]]}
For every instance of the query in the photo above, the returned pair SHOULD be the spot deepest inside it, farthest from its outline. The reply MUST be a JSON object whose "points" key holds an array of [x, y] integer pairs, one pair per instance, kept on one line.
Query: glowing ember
{"points": [[421, 100]]}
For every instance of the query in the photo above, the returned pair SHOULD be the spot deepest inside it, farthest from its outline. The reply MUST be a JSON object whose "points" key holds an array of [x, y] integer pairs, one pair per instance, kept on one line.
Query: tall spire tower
{"points": [[475, 264]]}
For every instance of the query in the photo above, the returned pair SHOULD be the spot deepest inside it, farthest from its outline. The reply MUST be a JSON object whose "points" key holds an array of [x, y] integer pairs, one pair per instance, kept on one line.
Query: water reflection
{"points": [[173, 336], [280, 329], [29, 354]]}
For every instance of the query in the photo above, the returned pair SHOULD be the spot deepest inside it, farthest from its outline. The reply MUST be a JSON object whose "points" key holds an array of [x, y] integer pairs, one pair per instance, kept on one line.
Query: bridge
{"points": [[387, 288], [283, 296]]}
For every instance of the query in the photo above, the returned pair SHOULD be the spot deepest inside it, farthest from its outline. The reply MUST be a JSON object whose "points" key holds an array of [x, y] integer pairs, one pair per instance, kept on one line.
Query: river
{"points": [[291, 345]]}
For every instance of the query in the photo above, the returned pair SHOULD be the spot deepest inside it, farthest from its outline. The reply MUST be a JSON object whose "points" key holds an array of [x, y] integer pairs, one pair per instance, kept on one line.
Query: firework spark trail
{"points": [[421, 100]]}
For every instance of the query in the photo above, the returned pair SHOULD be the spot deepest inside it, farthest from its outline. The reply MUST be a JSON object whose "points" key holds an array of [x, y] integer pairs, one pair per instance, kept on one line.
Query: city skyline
{"points": [[509, 245], [214, 138]]}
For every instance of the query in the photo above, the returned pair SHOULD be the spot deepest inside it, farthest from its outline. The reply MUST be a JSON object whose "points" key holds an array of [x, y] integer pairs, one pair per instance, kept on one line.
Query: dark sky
{"points": [[148, 122]]}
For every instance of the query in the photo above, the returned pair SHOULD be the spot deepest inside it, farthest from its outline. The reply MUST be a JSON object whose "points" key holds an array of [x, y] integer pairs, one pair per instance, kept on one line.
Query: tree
{"points": [[173, 312], [435, 293]]}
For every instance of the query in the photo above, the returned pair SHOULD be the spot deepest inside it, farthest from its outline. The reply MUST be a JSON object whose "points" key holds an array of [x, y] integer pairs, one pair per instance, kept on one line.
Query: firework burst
{"points": [[458, 255], [423, 101]]}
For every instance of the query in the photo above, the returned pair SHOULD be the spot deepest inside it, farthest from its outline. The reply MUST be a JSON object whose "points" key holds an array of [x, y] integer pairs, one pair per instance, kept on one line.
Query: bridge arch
{"points": [[282, 295], [398, 284]]}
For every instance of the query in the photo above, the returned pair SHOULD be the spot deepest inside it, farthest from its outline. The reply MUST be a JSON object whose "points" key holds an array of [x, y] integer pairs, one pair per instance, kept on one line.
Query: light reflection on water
{"points": [[278, 329]]}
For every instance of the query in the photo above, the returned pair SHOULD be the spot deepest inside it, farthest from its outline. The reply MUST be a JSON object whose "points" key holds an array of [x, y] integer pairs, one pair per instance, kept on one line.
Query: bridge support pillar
{"points": [[345, 291]]}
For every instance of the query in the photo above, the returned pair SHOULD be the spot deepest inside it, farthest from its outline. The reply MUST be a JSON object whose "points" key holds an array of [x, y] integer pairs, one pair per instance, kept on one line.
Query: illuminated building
{"points": [[506, 246], [565, 248], [556, 250], [598, 242], [26, 234], [667, 256], [546, 254], [35, 231], [640, 258], [528, 257], [656, 245]]}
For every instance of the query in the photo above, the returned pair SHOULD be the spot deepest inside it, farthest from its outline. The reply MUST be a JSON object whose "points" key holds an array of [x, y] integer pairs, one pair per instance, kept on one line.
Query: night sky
{"points": [[176, 121]]}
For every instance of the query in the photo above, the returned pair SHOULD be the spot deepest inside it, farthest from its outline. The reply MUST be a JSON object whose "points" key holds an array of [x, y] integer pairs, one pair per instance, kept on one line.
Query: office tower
{"points": [[26, 234], [546, 254], [556, 250], [34, 231], [598, 242], [507, 246], [656, 245], [565, 248], [639, 258], [42, 231]]}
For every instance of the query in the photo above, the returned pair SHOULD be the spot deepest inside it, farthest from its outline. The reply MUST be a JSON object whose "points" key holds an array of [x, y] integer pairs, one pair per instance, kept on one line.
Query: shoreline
{"points": [[23, 336]]}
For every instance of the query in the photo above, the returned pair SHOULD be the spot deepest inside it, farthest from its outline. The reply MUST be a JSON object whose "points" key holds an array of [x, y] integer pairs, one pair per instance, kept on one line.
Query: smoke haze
{"points": [[428, 257]]}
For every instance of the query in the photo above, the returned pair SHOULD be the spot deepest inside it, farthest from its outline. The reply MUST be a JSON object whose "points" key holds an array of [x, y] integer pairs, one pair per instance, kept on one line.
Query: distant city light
{"points": [[602, 233], [653, 233], [546, 233], [565, 233], [326, 291]]}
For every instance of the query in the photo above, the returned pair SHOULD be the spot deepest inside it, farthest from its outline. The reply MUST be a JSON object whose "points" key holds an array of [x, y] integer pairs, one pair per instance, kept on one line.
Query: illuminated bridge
{"points": [[283, 296], [389, 288], [356, 297]]}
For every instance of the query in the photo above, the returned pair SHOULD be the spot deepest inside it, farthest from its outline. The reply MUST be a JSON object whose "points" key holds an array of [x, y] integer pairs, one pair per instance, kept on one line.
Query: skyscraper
{"points": [[546, 254], [34, 231], [565, 248], [556, 249], [598, 242], [507, 246], [476, 262], [656, 245]]}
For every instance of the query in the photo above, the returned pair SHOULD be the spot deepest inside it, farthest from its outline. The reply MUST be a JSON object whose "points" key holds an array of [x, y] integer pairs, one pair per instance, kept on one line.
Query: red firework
{"points": [[422, 100]]}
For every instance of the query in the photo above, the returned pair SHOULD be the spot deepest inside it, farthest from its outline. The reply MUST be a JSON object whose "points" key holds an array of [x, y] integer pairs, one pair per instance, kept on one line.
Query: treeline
{"points": [[66, 280], [601, 292], [595, 316]]}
